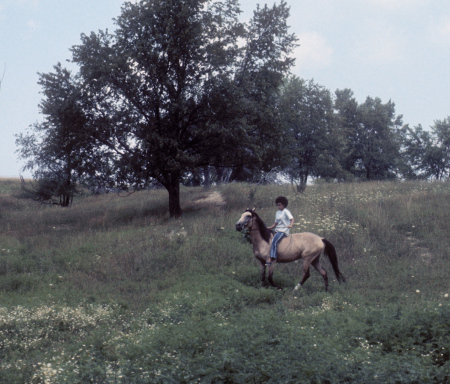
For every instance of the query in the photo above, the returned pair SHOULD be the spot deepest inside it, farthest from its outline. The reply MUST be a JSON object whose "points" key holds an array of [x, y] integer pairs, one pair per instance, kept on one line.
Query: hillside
{"points": [[111, 290]]}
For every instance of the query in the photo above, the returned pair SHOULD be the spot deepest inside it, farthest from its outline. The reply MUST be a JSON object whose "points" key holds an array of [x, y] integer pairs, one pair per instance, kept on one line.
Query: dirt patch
{"points": [[213, 198], [422, 252]]}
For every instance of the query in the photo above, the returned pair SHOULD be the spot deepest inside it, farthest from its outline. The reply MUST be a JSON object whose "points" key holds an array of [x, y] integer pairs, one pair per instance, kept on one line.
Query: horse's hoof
{"points": [[297, 287]]}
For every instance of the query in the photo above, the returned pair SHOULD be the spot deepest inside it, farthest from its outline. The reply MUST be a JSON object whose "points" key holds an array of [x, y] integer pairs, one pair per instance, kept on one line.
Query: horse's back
{"points": [[299, 245]]}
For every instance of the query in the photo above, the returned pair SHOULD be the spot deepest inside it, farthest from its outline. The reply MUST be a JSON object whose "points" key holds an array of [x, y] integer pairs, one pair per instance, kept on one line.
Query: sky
{"points": [[396, 50]]}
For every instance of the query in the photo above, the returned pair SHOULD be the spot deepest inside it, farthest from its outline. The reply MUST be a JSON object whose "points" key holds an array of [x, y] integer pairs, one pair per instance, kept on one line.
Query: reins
{"points": [[258, 229], [258, 222], [250, 229]]}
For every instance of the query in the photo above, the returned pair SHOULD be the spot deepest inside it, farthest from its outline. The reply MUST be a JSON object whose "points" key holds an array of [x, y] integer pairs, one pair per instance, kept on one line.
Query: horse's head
{"points": [[245, 220]]}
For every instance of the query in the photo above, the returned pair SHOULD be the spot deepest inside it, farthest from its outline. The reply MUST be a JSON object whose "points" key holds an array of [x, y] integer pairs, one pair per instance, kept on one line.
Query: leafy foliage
{"points": [[427, 152], [172, 89], [313, 142], [57, 150]]}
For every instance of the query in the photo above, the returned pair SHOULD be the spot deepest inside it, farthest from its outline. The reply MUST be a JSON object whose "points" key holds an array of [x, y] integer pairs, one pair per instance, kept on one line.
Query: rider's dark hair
{"points": [[282, 200]]}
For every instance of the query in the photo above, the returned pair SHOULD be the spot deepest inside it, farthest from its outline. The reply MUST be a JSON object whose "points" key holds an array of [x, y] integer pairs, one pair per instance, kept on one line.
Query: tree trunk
{"points": [[64, 197], [196, 179], [207, 177], [173, 187], [302, 181], [368, 172], [64, 200]]}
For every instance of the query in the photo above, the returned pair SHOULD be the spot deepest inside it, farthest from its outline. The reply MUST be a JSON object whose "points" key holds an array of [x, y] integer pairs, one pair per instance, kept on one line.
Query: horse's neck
{"points": [[255, 234]]}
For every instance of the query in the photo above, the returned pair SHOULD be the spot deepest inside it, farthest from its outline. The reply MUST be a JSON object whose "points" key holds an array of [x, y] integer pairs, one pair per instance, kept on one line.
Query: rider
{"points": [[283, 222]]}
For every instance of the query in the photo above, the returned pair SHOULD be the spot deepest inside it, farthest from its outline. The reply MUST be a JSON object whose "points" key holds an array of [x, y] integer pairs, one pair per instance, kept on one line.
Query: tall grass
{"points": [[113, 291]]}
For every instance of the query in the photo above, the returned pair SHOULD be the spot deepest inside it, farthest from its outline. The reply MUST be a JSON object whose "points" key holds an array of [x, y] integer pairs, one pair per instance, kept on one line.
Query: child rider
{"points": [[283, 222]]}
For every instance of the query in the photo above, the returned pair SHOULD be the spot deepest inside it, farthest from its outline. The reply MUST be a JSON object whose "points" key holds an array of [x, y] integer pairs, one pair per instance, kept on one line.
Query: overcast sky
{"points": [[397, 50]]}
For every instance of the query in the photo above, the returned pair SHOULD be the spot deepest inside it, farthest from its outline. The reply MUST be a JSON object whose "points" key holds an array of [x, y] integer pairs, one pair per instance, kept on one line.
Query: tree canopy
{"points": [[183, 87], [310, 135], [183, 84], [57, 148], [426, 153]]}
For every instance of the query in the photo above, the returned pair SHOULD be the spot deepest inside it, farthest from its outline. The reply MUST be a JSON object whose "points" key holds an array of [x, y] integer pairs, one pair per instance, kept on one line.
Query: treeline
{"points": [[332, 136], [183, 92]]}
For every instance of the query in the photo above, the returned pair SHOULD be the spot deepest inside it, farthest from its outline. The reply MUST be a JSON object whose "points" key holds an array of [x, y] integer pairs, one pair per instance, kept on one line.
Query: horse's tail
{"points": [[330, 251]]}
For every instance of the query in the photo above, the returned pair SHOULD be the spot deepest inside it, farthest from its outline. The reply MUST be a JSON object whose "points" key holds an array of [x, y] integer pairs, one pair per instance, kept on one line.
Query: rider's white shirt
{"points": [[283, 219]]}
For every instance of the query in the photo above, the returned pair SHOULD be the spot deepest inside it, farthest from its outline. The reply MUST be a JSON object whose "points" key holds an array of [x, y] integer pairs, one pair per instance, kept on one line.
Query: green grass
{"points": [[113, 291]]}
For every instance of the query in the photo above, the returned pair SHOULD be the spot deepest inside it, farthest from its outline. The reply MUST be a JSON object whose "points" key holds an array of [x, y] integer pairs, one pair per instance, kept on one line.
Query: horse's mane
{"points": [[265, 233]]}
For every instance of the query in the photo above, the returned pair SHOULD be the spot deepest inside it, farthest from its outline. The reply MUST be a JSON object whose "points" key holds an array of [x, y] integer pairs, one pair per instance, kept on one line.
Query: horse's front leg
{"points": [[262, 268], [270, 278]]}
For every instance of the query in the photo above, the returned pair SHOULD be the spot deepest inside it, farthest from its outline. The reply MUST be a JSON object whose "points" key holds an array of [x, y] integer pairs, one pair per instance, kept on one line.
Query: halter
{"points": [[260, 227], [251, 220], [248, 222]]}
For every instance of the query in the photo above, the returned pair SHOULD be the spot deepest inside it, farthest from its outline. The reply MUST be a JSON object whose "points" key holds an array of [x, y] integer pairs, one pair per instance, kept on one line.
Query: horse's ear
{"points": [[254, 209]]}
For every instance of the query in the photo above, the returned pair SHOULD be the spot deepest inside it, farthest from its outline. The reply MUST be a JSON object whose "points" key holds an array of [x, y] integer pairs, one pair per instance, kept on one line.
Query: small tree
{"points": [[55, 147], [46, 188], [441, 132], [427, 152]]}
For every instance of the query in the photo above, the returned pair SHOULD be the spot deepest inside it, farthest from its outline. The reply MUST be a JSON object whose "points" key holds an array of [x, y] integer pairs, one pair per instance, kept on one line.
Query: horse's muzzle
{"points": [[239, 227]]}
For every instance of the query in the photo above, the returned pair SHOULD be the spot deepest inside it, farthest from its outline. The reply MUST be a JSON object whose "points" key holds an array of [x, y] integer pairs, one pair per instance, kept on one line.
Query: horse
{"points": [[307, 246]]}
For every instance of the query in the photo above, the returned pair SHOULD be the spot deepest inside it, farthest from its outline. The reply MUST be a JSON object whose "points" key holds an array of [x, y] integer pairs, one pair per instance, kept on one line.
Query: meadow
{"points": [[111, 290]]}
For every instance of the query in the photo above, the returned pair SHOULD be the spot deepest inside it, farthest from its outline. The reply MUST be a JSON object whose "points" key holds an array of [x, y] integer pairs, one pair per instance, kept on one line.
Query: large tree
{"points": [[183, 84], [312, 140], [374, 140], [346, 117]]}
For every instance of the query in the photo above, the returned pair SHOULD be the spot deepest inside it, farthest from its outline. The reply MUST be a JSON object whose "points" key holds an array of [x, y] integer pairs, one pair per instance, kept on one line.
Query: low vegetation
{"points": [[113, 291]]}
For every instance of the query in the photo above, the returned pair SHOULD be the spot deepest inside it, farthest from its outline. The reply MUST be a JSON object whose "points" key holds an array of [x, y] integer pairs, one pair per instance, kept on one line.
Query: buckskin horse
{"points": [[305, 245]]}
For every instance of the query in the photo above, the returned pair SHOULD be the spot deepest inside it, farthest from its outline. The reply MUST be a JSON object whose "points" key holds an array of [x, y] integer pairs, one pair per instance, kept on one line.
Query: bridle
{"points": [[246, 226]]}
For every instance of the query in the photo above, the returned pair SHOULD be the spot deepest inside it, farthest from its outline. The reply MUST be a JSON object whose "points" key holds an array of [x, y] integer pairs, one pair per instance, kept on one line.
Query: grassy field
{"points": [[113, 291]]}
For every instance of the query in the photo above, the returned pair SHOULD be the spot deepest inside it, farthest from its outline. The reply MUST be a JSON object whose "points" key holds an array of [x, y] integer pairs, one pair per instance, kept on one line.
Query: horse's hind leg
{"points": [[306, 274], [321, 270]]}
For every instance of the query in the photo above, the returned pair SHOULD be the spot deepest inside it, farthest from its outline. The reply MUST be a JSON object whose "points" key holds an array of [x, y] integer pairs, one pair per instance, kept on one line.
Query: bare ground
{"points": [[422, 252], [213, 198]]}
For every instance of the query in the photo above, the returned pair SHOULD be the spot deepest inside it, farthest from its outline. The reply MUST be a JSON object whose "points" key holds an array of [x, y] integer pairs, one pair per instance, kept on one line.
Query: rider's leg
{"points": [[273, 248]]}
